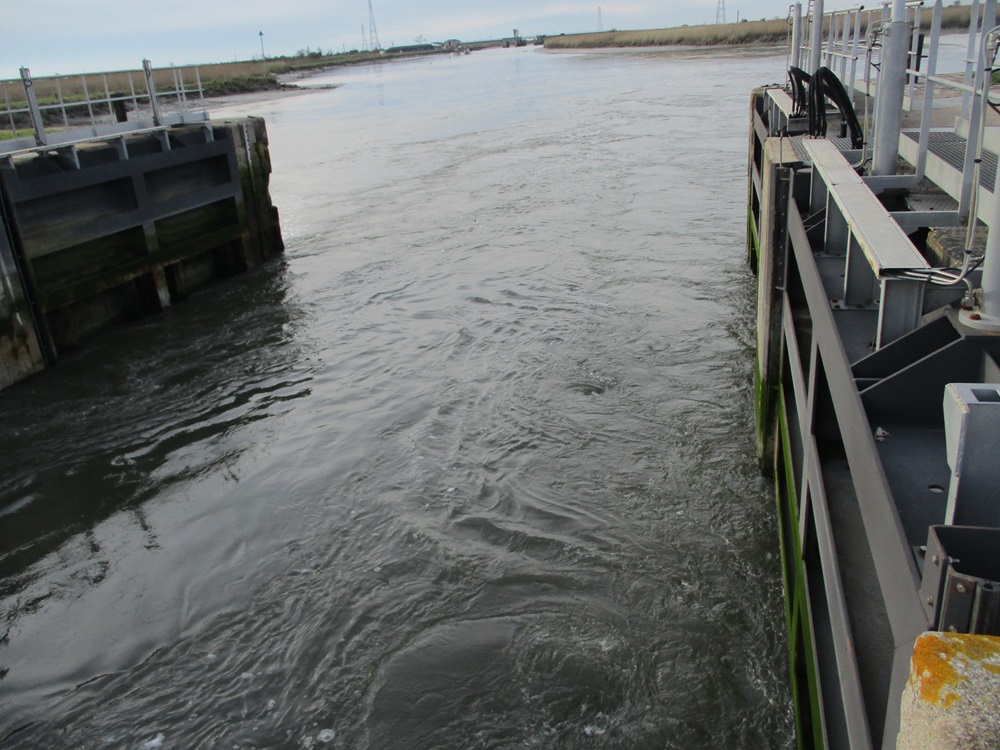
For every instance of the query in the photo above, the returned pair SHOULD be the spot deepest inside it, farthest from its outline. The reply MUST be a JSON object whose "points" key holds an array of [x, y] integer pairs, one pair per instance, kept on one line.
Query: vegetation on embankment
{"points": [[718, 33], [215, 79], [233, 78], [745, 32]]}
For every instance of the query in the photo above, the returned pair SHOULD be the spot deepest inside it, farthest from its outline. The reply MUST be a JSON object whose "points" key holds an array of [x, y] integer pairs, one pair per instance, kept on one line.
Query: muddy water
{"points": [[471, 467]]}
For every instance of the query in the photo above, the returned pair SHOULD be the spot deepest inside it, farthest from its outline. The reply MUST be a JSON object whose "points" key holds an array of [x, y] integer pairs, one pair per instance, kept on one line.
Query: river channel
{"points": [[472, 466]]}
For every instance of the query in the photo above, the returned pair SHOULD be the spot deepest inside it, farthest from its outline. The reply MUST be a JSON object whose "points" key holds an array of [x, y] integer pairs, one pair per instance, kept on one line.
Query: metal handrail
{"points": [[94, 111], [844, 46]]}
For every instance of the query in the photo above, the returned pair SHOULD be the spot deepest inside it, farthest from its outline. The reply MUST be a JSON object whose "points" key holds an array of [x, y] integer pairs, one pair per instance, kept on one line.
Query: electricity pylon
{"points": [[372, 31]]}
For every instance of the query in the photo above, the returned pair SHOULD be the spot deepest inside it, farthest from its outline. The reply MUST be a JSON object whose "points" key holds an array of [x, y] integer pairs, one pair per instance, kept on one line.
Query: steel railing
{"points": [[853, 36], [53, 111]]}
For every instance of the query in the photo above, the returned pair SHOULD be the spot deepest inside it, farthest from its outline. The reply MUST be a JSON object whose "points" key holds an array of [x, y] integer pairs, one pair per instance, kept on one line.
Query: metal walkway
{"points": [[950, 148]]}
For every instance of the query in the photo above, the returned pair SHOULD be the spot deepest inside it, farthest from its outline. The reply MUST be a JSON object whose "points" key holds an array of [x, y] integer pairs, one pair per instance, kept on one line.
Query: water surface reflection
{"points": [[472, 468]]}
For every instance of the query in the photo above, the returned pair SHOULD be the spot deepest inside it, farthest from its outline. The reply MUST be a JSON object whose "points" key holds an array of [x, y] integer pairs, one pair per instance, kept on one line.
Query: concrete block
{"points": [[952, 699]]}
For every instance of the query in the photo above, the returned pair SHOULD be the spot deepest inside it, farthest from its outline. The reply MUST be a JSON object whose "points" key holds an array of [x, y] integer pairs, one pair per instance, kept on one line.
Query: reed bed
{"points": [[745, 32], [709, 34], [216, 79]]}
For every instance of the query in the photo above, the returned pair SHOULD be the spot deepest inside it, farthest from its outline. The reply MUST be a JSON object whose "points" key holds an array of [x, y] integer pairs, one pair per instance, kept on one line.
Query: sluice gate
{"points": [[878, 380], [120, 226]]}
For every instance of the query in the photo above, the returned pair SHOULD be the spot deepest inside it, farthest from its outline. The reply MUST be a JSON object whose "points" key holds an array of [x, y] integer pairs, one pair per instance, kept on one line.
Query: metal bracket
{"points": [[972, 439], [960, 589]]}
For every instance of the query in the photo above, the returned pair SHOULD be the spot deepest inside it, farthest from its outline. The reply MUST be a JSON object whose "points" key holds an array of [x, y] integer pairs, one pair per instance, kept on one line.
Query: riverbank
{"points": [[216, 80], [744, 32], [223, 79], [241, 98], [757, 32]]}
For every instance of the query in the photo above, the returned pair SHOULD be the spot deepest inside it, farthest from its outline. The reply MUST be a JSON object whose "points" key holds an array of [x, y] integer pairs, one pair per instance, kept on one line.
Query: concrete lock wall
{"points": [[115, 229], [20, 354]]}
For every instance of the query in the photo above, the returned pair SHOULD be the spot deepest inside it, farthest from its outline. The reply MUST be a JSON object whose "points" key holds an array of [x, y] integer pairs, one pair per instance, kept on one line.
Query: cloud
{"points": [[109, 34]]}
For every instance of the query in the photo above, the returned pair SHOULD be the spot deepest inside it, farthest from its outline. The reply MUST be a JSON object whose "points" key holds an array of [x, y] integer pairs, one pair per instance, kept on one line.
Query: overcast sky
{"points": [[72, 36]]}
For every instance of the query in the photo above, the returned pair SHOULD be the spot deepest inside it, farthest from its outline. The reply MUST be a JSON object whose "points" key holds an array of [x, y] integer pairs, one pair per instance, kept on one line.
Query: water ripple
{"points": [[472, 468]]}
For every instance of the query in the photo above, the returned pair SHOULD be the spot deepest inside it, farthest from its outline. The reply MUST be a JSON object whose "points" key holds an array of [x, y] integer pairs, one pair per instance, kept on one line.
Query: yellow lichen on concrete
{"points": [[933, 670], [952, 699], [994, 668]]}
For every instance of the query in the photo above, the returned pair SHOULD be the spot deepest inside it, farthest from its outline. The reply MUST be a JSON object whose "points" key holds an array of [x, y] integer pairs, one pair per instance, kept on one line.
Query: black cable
{"points": [[799, 79], [825, 84]]}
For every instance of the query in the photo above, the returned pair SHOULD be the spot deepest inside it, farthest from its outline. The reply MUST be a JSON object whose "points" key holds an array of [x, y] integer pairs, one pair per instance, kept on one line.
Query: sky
{"points": [[73, 36]]}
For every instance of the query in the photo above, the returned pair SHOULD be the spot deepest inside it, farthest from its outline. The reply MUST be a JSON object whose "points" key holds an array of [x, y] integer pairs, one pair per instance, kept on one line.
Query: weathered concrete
{"points": [[20, 354], [114, 229], [952, 700]]}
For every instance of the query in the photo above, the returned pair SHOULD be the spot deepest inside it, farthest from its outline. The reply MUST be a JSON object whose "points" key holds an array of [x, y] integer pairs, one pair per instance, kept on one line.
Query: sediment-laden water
{"points": [[471, 467]]}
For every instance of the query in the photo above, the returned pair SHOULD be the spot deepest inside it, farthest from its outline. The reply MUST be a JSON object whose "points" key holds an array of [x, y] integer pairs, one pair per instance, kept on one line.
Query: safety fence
{"points": [[53, 111]]}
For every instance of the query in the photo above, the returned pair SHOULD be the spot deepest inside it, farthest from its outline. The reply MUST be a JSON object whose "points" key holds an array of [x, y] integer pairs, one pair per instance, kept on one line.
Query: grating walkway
{"points": [[842, 144], [947, 146], [950, 148]]}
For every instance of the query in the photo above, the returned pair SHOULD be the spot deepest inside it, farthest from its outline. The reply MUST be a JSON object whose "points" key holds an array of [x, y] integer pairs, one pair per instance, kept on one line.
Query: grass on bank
{"points": [[54, 93], [217, 79], [746, 32], [709, 34]]}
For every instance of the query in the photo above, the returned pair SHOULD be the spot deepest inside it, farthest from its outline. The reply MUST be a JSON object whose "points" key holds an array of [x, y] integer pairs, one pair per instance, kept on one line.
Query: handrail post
{"points": [[845, 40], [831, 41], [889, 94], [33, 109], [970, 50], [989, 304], [796, 34], [854, 54], [147, 69], [913, 61], [927, 115], [988, 314], [816, 40], [976, 111]]}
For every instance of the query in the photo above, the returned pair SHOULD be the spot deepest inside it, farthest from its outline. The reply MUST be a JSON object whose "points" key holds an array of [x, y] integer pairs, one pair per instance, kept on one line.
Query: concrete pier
{"points": [[952, 699], [106, 230]]}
